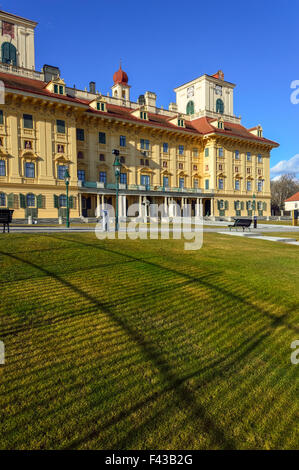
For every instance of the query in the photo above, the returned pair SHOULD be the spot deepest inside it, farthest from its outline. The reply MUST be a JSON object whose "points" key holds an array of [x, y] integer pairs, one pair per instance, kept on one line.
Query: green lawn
{"points": [[140, 345]]}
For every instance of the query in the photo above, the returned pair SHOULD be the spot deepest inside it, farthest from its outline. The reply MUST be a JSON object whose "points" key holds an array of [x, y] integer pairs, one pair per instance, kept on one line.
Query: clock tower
{"points": [[208, 95], [17, 41]]}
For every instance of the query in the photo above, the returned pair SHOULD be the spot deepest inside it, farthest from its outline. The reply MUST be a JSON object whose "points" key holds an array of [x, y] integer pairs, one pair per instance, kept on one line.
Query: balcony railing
{"points": [[140, 187]]}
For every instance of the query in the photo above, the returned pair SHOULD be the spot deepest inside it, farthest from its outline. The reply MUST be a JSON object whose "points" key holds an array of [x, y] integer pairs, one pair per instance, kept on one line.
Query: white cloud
{"points": [[286, 166]]}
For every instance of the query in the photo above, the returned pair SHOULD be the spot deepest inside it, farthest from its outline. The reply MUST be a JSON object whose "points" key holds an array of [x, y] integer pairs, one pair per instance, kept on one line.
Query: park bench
{"points": [[244, 223], [5, 218]]}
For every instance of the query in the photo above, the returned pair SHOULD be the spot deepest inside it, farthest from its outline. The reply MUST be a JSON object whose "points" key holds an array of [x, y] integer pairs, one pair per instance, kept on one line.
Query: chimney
{"points": [[50, 72], [150, 100], [92, 87]]}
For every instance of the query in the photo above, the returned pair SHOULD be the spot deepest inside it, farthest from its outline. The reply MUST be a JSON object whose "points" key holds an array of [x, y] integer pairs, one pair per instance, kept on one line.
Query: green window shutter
{"points": [[10, 201], [242, 205], [39, 201], [218, 205], [71, 202], [22, 201], [56, 201], [253, 205], [264, 206], [1, 117], [226, 205]]}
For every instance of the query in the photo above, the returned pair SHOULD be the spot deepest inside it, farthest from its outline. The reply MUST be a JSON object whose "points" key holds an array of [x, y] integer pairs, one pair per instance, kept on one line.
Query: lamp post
{"points": [[117, 168], [254, 217], [67, 182]]}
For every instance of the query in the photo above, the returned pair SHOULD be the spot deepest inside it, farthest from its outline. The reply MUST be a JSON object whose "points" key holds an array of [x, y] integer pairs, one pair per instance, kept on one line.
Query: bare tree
{"points": [[282, 189]]}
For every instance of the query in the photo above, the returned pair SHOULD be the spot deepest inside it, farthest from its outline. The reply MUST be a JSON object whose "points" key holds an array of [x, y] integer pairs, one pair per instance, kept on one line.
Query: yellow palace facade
{"points": [[195, 152]]}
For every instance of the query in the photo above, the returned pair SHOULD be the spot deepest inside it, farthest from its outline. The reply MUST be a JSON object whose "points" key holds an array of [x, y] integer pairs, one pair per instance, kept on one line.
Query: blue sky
{"points": [[165, 43]]}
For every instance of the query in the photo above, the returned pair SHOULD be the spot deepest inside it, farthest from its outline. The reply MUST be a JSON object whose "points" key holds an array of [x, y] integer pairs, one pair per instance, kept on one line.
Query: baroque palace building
{"points": [[195, 152]]}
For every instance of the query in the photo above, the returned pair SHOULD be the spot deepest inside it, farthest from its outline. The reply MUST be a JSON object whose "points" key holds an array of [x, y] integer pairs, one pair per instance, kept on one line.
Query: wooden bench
{"points": [[244, 223], [5, 218]]}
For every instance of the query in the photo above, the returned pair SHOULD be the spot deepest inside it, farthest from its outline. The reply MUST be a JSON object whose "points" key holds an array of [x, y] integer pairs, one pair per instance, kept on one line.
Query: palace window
{"points": [[259, 171], [181, 122], [181, 150], [182, 182], [195, 183], [141, 161], [207, 168], [220, 125], [29, 170], [122, 141], [80, 155], [1, 117], [27, 121], [60, 126], [2, 168], [248, 185], [165, 147], [103, 177], [237, 185], [102, 157], [9, 53], [123, 178], [220, 152], [190, 107], [30, 200], [220, 166], [165, 181], [146, 162], [248, 170], [164, 164], [195, 152], [80, 134], [143, 115], [60, 148], [81, 175], [236, 169], [194, 167], [62, 200], [145, 180], [220, 183], [237, 155], [219, 106], [102, 138], [206, 152], [181, 166], [122, 160], [2, 199], [259, 158], [61, 171], [260, 186], [144, 144], [207, 184], [248, 156]]}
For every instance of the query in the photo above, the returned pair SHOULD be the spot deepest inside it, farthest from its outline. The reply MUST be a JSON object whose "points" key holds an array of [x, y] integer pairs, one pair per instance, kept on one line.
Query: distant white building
{"points": [[292, 203]]}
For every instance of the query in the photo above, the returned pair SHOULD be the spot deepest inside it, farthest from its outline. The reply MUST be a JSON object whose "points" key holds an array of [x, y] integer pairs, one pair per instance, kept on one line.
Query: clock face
{"points": [[218, 90], [190, 91]]}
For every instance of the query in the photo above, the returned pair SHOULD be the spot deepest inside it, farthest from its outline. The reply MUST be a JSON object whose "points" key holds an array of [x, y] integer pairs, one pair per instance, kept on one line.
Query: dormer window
{"points": [[260, 133], [143, 115], [58, 89], [101, 106], [220, 125], [181, 123]]}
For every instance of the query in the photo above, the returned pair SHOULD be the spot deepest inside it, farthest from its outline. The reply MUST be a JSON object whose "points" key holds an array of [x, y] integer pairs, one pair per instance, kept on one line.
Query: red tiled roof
{"points": [[200, 126], [295, 197]]}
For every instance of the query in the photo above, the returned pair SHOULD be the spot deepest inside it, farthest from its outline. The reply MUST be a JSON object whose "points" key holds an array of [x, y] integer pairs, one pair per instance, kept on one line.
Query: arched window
{"points": [[9, 53], [190, 107], [62, 200], [2, 199], [30, 200], [219, 106]]}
